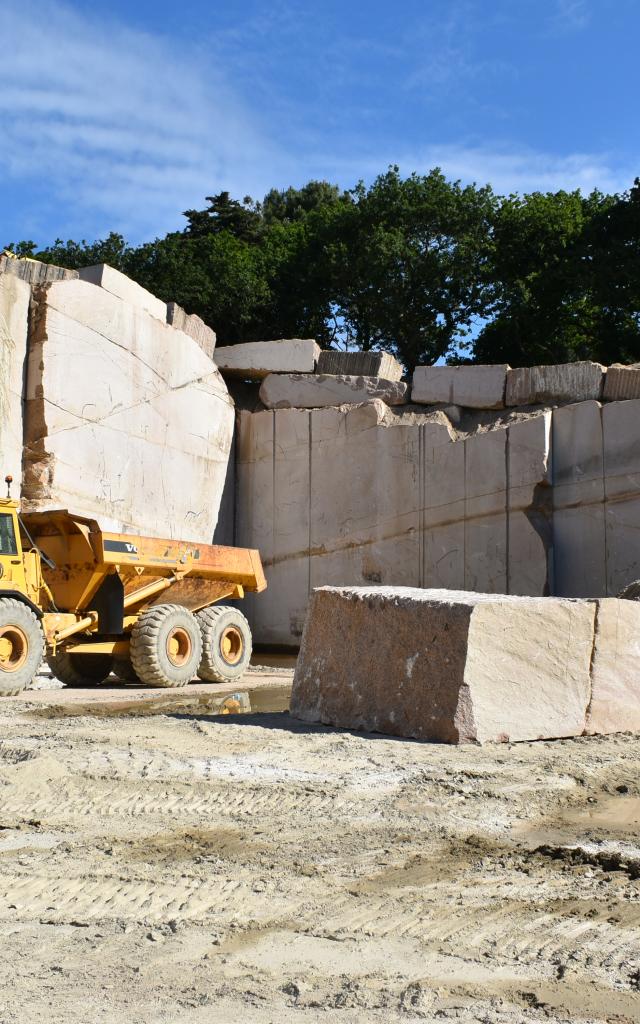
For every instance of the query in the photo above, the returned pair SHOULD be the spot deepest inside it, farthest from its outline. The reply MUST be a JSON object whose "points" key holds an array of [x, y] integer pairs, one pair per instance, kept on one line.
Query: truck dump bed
{"points": [[82, 555]]}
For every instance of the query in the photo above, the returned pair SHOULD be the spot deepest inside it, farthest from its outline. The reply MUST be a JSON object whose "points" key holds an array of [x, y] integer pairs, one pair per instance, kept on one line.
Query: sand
{"points": [[163, 863]]}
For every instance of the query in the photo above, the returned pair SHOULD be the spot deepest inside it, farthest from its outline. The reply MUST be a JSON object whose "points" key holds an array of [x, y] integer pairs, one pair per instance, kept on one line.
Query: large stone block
{"points": [[477, 387], [14, 326], [318, 390], [567, 382], [34, 272], [257, 359], [192, 325], [126, 418], [124, 288], [615, 681], [622, 382], [360, 364], [446, 666], [578, 501]]}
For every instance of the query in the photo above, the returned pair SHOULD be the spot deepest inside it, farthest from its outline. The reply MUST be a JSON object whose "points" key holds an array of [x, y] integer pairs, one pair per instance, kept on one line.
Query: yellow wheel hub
{"points": [[14, 648], [231, 645], [179, 646]]}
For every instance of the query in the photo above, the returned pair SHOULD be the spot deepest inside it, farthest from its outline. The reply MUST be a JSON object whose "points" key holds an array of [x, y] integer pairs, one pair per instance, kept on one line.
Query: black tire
{"points": [[226, 644], [166, 646], [631, 592], [126, 673], [80, 670], [21, 646]]}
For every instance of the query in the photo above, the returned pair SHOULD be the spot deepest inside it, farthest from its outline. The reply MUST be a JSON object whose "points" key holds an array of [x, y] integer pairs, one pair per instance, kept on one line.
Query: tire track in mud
{"points": [[83, 899], [515, 930], [231, 801]]}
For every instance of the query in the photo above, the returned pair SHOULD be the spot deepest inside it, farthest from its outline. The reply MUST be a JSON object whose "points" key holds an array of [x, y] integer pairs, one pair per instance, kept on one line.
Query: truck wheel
{"points": [[166, 646], [631, 592], [80, 670], [226, 644], [21, 646]]}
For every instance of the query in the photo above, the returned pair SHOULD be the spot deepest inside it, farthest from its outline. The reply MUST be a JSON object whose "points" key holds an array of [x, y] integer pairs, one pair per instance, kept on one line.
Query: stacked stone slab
{"points": [[127, 419], [14, 327], [622, 382], [457, 667], [256, 360], [360, 364], [318, 390], [475, 387], [568, 382]]}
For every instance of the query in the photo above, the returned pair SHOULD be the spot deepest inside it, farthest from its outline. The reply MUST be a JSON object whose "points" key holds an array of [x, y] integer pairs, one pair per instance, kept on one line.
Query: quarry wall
{"points": [[476, 478], [541, 498]]}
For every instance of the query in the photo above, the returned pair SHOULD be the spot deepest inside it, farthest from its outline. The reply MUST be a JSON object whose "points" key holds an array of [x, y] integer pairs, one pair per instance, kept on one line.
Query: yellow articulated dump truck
{"points": [[95, 603]]}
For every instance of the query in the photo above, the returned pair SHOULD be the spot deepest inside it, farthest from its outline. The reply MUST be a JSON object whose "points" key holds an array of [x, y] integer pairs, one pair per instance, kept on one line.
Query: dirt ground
{"points": [[161, 862]]}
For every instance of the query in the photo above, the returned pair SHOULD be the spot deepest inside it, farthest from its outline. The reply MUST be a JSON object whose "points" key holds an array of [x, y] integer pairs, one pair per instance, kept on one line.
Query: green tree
{"points": [[410, 261], [545, 307]]}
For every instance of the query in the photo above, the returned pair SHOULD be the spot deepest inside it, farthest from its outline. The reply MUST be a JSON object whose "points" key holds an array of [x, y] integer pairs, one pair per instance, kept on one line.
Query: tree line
{"points": [[419, 266]]}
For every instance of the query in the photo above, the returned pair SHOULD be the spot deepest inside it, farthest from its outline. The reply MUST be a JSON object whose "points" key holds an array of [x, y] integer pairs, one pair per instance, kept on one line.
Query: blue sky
{"points": [[119, 116]]}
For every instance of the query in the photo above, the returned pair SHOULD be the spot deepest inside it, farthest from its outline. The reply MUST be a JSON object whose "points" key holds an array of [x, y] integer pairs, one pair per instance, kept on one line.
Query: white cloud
{"points": [[509, 169], [126, 129], [506, 168], [129, 127]]}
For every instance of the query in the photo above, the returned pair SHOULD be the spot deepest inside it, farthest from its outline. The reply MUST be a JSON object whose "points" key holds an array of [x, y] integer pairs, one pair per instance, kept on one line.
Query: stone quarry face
{"points": [[14, 327], [317, 390], [369, 495], [446, 666], [127, 419]]}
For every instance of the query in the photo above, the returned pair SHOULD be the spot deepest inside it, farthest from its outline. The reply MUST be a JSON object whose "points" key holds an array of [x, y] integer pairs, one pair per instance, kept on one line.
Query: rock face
{"points": [[257, 359], [360, 364], [126, 418], [476, 387], [14, 326], [192, 325], [596, 497], [368, 494], [445, 666], [317, 390], [124, 288], [568, 382]]}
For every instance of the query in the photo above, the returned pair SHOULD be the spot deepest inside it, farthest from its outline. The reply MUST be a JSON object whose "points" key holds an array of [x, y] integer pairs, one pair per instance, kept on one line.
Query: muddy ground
{"points": [[162, 863]]}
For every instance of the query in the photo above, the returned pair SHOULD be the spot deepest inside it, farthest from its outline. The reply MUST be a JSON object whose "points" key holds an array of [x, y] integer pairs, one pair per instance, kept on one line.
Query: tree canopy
{"points": [[419, 266]]}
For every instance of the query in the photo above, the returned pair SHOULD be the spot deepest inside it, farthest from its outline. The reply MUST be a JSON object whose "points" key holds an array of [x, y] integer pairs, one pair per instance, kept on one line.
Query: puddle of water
{"points": [[263, 700], [616, 817]]}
